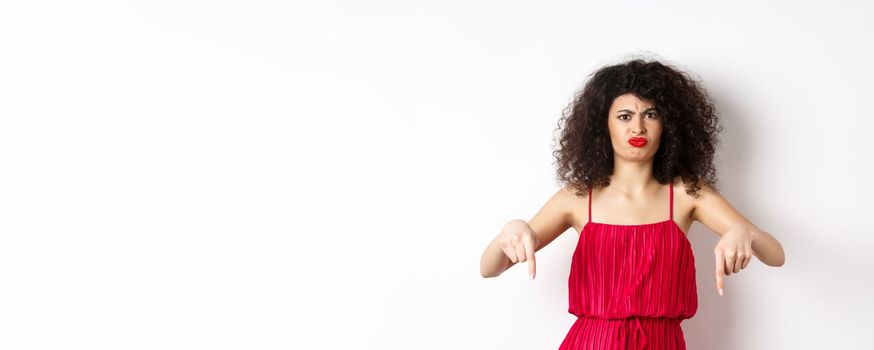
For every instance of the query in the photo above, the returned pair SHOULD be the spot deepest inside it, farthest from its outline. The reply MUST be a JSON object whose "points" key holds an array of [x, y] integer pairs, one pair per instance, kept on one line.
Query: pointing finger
{"points": [[729, 263], [720, 270], [529, 251]]}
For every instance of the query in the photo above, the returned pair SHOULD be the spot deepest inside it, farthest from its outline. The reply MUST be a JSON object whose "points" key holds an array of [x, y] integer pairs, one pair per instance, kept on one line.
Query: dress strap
{"points": [[590, 203], [672, 201]]}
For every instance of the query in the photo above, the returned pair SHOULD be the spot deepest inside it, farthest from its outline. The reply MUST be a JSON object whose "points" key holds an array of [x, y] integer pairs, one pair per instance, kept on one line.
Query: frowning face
{"points": [[635, 128]]}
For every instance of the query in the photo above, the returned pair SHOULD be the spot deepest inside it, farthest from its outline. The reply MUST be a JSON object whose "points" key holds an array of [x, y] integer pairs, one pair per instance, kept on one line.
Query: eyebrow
{"points": [[644, 111]]}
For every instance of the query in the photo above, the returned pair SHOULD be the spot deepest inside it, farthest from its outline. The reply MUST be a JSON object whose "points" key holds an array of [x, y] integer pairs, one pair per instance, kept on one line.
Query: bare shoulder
{"points": [[705, 192], [569, 198], [554, 217], [680, 188], [713, 210]]}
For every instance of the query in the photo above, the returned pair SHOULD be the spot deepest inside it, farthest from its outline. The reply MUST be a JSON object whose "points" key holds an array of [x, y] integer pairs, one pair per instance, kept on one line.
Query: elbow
{"points": [[770, 251], [489, 273], [773, 261], [782, 259], [485, 273], [779, 261]]}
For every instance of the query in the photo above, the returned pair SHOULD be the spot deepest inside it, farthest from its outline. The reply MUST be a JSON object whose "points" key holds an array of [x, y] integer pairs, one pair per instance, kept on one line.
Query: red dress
{"points": [[631, 286]]}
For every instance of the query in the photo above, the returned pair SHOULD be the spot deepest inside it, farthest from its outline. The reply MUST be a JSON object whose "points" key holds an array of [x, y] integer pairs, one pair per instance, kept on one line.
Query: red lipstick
{"points": [[637, 141]]}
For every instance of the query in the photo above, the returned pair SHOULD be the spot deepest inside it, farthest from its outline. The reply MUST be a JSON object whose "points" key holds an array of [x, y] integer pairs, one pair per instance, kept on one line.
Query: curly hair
{"points": [[690, 134]]}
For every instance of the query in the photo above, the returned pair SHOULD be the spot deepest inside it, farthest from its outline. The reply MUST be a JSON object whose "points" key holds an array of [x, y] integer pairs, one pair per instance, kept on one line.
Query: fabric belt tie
{"points": [[633, 338]]}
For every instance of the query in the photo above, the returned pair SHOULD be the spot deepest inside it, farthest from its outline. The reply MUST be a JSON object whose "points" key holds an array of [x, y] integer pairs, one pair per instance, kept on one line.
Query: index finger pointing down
{"points": [[529, 252], [720, 272]]}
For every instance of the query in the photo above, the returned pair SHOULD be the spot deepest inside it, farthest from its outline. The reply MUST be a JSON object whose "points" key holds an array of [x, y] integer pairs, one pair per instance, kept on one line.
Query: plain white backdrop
{"points": [[276, 175]]}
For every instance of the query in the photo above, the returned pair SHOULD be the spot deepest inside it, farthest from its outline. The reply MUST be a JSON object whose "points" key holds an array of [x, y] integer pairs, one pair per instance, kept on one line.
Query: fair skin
{"points": [[629, 200]]}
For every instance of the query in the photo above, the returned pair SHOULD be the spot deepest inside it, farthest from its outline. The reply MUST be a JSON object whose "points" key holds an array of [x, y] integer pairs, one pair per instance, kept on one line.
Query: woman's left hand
{"points": [[733, 253]]}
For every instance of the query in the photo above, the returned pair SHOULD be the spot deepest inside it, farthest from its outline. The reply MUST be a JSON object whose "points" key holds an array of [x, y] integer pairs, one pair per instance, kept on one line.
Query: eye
{"points": [[653, 114]]}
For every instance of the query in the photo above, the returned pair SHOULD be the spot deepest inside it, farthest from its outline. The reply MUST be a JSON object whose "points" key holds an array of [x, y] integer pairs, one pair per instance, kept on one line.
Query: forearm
{"points": [[767, 249], [494, 261]]}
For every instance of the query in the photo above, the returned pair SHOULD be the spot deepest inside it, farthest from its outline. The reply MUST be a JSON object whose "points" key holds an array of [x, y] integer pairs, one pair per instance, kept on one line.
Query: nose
{"points": [[638, 127]]}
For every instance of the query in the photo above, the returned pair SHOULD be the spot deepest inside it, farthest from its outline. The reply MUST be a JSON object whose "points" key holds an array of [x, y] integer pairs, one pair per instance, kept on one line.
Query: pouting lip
{"points": [[638, 138]]}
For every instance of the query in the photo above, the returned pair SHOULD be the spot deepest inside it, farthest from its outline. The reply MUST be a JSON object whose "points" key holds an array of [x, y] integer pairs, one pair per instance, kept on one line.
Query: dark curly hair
{"points": [[690, 134]]}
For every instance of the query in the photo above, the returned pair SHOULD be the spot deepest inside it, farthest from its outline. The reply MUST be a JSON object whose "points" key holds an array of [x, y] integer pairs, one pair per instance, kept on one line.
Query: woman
{"points": [[636, 154]]}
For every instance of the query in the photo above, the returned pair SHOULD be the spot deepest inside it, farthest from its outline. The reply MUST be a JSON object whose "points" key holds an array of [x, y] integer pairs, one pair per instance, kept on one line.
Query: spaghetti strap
{"points": [[672, 202], [590, 203]]}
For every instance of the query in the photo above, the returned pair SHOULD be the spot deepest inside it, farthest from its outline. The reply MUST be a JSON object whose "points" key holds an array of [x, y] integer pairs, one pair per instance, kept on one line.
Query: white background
{"points": [[275, 175]]}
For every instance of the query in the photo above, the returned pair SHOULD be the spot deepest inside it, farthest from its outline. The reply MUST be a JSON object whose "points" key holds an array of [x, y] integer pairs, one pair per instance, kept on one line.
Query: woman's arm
{"points": [[713, 211], [550, 221]]}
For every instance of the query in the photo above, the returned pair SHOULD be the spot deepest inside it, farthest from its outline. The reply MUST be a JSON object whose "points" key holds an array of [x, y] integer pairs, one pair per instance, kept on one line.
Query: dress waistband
{"points": [[631, 334], [637, 336]]}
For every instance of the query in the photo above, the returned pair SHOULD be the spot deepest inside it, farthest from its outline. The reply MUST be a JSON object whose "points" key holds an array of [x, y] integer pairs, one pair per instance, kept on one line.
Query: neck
{"points": [[633, 177]]}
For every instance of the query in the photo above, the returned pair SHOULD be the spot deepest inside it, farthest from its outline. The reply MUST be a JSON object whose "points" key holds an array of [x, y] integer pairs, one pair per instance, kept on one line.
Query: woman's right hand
{"points": [[519, 242]]}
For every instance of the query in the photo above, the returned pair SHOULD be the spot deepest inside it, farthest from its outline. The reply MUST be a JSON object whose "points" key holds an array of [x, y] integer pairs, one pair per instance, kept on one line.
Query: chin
{"points": [[639, 157]]}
